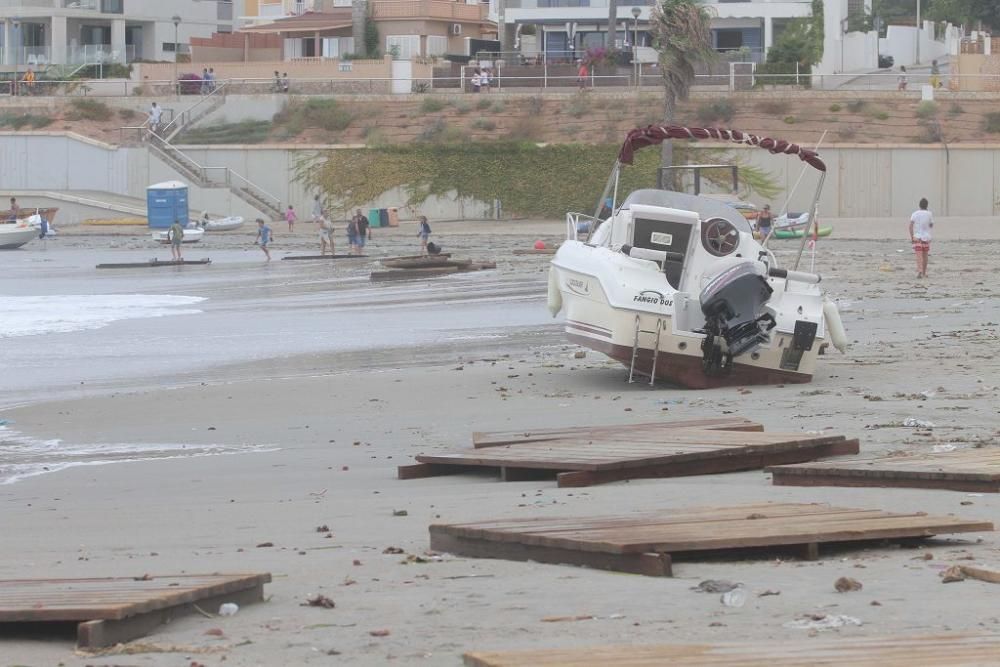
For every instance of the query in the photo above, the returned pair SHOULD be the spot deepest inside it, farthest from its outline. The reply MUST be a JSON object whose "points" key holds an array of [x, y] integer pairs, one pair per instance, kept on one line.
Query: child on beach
{"points": [[263, 237], [291, 217], [423, 233], [317, 209], [325, 235], [176, 236], [921, 223]]}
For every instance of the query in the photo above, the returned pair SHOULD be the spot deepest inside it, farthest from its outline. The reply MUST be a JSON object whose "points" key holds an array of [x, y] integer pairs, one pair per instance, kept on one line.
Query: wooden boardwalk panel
{"points": [[112, 609], [945, 650], [966, 470], [594, 455], [596, 541]]}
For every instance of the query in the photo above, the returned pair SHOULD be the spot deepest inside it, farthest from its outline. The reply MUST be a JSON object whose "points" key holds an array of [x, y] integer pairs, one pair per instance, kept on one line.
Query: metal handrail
{"points": [[184, 117]]}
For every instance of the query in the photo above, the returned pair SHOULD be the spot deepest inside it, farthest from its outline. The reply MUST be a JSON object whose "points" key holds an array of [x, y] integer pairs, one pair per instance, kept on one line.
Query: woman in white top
{"points": [[921, 223]]}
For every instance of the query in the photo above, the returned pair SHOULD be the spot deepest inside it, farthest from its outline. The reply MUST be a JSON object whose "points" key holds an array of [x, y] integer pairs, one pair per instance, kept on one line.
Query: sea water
{"points": [[63, 313]]}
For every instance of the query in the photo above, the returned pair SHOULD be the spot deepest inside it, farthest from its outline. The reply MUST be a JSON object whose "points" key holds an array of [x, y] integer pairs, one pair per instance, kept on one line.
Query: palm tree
{"points": [[612, 24], [359, 12], [680, 30]]}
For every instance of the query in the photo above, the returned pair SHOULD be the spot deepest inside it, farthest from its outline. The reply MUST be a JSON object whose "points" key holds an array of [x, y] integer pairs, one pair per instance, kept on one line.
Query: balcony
{"points": [[103, 6], [96, 54], [428, 9]]}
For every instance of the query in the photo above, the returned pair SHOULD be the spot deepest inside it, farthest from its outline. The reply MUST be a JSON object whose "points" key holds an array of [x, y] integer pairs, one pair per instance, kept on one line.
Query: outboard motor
{"points": [[735, 314]]}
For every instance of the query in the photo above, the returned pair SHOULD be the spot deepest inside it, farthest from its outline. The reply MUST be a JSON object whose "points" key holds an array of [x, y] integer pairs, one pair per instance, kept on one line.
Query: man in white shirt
{"points": [[921, 223], [154, 118]]}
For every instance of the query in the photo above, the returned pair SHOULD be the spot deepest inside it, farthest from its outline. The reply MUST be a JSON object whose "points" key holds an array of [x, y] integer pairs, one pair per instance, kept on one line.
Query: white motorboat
{"points": [[219, 224], [191, 235], [16, 235], [791, 221], [676, 287]]}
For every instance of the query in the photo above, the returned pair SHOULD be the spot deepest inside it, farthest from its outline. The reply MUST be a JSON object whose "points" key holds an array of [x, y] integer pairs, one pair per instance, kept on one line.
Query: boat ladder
{"points": [[632, 371]]}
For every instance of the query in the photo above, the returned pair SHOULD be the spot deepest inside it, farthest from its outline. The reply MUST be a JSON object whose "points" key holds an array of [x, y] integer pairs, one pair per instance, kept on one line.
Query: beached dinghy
{"points": [[222, 224], [16, 235], [191, 235], [675, 286]]}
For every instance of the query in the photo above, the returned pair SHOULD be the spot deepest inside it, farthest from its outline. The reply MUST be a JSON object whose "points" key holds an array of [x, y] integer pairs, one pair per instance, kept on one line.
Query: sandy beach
{"points": [[284, 396]]}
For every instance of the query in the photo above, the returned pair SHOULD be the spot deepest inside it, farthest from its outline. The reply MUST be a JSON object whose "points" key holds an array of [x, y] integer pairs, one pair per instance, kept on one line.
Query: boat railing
{"points": [[580, 223]]}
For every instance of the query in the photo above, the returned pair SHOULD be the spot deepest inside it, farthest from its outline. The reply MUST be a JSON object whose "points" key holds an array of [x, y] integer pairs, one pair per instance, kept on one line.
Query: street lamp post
{"points": [[177, 21], [918, 33], [17, 51], [635, 43]]}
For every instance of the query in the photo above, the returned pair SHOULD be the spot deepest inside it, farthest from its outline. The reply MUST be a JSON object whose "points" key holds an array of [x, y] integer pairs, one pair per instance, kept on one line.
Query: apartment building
{"points": [[570, 26], [41, 33]]}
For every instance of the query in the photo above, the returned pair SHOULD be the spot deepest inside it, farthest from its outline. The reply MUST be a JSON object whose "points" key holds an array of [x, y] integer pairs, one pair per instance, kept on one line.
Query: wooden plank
{"points": [[294, 257], [981, 573], [420, 470], [700, 529], [941, 650], [535, 251], [966, 470], [154, 263], [708, 466], [411, 274], [112, 598], [492, 439]]}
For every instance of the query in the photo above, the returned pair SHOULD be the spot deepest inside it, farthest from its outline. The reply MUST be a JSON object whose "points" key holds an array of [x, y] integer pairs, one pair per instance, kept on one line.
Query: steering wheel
{"points": [[719, 237]]}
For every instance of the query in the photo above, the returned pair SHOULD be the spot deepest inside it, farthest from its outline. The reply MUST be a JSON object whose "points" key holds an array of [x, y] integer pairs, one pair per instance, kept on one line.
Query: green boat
{"points": [[797, 233]]}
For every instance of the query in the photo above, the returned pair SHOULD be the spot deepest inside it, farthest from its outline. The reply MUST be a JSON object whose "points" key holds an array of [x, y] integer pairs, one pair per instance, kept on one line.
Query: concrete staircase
{"points": [[216, 177], [187, 118]]}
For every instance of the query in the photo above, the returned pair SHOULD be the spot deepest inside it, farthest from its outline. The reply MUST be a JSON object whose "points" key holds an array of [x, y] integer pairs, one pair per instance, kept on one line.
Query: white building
{"points": [[576, 25], [39, 33]]}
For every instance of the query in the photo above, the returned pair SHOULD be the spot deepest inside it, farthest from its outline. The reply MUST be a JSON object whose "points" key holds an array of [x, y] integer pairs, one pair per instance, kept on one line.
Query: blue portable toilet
{"points": [[166, 202]]}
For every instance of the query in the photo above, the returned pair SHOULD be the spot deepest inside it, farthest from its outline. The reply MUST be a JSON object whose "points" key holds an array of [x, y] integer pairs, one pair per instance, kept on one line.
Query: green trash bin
{"points": [[374, 218]]}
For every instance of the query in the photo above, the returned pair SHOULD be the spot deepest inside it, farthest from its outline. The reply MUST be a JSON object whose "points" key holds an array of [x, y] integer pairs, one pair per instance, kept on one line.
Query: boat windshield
{"points": [[705, 207]]}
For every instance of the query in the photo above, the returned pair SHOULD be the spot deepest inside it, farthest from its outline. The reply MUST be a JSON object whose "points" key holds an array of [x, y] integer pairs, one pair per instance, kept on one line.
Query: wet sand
{"points": [[331, 426]]}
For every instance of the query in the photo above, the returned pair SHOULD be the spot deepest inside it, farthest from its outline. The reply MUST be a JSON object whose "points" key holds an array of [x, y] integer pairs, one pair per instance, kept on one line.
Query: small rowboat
{"points": [[798, 233], [191, 235], [221, 224], [15, 236]]}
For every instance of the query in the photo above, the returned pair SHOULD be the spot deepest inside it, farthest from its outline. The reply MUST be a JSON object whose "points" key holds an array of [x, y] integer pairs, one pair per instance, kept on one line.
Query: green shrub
{"points": [[716, 110], [499, 106], [87, 109], [772, 107], [955, 109], [880, 115], [834, 108], [790, 120], [127, 114], [244, 132], [18, 121], [431, 105], [535, 104], [484, 124], [926, 109], [316, 113], [992, 122], [856, 106], [483, 104], [462, 107], [578, 105]]}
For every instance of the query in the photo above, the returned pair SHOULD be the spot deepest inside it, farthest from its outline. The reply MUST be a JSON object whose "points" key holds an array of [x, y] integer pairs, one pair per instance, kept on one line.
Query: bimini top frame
{"points": [[655, 135]]}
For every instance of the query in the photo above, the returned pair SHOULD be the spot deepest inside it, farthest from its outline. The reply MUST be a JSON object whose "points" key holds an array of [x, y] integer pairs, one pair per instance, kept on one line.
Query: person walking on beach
{"points": [[15, 210], [921, 223], [423, 233], [263, 237], [354, 230], [317, 209], [364, 233], [290, 218], [325, 235], [901, 81], [764, 222], [176, 237]]}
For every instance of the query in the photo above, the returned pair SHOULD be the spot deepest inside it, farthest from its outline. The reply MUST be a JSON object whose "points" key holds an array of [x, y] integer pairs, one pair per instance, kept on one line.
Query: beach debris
{"points": [[913, 422], [319, 600], [952, 574], [924, 556], [357, 563], [214, 632], [144, 577], [875, 603], [764, 594], [323, 529], [981, 573], [580, 354], [734, 598], [264, 545], [716, 586], [228, 609], [400, 513], [392, 550], [822, 622], [847, 585], [379, 633], [567, 619], [940, 449]]}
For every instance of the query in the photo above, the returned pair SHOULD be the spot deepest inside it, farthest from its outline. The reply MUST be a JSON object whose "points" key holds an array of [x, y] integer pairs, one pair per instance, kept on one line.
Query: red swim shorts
{"points": [[921, 246]]}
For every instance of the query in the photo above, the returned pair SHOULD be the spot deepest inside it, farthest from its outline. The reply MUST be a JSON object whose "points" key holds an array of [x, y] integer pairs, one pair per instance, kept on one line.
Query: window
{"points": [[437, 45], [727, 40], [182, 48], [335, 47], [404, 47], [112, 6]]}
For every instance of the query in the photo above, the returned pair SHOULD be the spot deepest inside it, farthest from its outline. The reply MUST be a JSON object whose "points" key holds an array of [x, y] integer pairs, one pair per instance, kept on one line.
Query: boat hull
{"points": [[190, 236], [798, 233], [15, 238], [593, 322]]}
